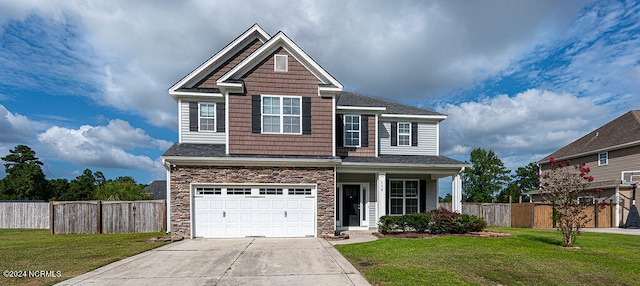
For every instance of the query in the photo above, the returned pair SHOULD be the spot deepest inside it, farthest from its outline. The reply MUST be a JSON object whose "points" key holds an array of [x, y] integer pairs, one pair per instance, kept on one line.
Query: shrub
{"points": [[390, 224], [418, 221], [437, 221], [468, 223], [442, 221]]}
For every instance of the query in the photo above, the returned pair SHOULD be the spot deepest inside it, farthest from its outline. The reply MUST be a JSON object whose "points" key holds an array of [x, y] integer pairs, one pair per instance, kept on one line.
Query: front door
{"points": [[351, 205]]}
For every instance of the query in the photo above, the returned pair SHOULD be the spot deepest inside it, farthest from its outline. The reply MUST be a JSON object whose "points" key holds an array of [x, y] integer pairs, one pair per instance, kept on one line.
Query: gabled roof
{"points": [[280, 40], [621, 132], [246, 38], [391, 109]]}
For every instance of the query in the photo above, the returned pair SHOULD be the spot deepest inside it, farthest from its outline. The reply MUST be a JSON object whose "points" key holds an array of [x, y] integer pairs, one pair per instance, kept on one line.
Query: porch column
{"points": [[381, 195], [456, 193]]}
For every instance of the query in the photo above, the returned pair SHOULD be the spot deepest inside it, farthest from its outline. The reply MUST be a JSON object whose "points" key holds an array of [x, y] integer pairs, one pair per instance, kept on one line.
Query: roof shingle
{"points": [[622, 130], [354, 99]]}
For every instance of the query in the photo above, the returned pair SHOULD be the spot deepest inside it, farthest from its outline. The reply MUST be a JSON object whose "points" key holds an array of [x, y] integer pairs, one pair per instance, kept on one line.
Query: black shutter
{"points": [[256, 114], [414, 133], [193, 116], [306, 115], [394, 133], [423, 196], [339, 130], [220, 117], [364, 130]]}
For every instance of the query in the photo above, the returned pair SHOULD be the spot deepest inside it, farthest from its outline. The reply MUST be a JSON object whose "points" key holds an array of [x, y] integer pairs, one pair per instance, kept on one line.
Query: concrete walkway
{"points": [[613, 230], [250, 261]]}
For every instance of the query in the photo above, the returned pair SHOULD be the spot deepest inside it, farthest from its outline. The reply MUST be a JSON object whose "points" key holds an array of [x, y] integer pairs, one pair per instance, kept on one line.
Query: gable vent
{"points": [[281, 63]]}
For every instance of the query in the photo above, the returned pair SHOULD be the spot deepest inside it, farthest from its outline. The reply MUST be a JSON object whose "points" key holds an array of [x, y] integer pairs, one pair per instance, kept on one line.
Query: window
{"points": [[238, 191], [404, 134], [281, 114], [207, 117], [271, 191], [587, 200], [281, 63], [403, 197], [208, 191], [300, 192], [352, 130], [603, 158]]}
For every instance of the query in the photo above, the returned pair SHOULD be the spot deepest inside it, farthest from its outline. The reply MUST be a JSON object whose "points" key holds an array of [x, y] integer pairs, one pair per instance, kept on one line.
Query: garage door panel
{"points": [[270, 215]]}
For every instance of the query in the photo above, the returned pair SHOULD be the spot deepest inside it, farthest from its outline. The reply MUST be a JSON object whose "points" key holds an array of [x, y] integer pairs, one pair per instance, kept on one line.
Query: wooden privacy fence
{"points": [[494, 214], [541, 216], [108, 217], [86, 216], [530, 215], [24, 215]]}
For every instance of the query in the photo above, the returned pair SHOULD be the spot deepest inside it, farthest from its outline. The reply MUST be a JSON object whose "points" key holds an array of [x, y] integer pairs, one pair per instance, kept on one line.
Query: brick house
{"points": [[612, 152], [270, 145]]}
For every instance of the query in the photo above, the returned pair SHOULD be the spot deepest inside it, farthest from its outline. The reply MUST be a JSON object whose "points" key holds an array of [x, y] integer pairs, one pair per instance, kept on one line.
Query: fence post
{"points": [[595, 215], [99, 217], [51, 220], [611, 213], [533, 215], [520, 199]]}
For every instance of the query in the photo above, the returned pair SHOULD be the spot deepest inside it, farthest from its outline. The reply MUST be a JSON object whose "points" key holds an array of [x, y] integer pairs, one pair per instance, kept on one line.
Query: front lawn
{"points": [[530, 257], [71, 254]]}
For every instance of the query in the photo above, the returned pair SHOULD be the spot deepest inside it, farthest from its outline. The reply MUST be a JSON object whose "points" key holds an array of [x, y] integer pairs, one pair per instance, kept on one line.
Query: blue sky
{"points": [[85, 83]]}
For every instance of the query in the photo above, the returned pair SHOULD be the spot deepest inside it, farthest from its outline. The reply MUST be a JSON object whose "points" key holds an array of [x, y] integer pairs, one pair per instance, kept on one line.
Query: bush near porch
{"points": [[438, 221]]}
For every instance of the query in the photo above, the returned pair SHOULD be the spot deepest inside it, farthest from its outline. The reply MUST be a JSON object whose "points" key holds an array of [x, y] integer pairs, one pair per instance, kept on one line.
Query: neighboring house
{"points": [[157, 189], [270, 145], [612, 152]]}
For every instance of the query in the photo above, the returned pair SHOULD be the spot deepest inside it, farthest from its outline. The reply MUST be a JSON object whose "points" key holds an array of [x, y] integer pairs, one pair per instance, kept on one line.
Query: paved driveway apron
{"points": [[249, 261]]}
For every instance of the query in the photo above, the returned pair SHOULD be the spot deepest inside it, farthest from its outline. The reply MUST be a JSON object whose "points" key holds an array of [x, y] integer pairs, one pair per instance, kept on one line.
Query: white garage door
{"points": [[256, 211]]}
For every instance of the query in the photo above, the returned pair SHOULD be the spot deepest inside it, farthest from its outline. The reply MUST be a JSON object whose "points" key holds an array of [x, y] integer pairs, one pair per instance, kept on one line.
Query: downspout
{"points": [[618, 206]]}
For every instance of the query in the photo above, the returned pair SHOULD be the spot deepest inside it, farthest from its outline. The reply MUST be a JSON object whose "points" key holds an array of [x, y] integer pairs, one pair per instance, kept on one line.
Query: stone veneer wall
{"points": [[183, 176]]}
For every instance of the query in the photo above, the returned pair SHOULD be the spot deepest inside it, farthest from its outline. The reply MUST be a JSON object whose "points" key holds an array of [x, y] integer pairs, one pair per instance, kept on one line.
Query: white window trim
{"points": [[404, 196], [282, 115], [606, 159], [200, 117], [286, 61], [344, 128], [398, 134]]}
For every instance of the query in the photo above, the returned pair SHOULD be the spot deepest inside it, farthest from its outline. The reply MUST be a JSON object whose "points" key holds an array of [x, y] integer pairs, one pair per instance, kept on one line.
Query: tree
{"points": [[525, 180], [81, 188], [485, 178], [121, 189], [564, 186], [25, 179], [57, 188], [446, 199]]}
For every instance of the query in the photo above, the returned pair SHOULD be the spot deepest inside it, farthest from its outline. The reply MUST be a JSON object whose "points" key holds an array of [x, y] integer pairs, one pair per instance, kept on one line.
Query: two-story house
{"points": [[270, 145], [612, 152]]}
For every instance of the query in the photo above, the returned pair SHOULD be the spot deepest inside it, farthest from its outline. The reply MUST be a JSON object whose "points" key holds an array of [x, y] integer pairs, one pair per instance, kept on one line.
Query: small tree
{"points": [[563, 185]]}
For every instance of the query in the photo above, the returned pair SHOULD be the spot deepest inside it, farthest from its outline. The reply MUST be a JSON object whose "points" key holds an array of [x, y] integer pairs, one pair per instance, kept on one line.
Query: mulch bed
{"points": [[428, 235]]}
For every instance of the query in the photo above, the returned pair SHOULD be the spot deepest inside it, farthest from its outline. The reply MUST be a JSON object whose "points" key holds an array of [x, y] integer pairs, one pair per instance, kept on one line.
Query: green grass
{"points": [[530, 257], [71, 254]]}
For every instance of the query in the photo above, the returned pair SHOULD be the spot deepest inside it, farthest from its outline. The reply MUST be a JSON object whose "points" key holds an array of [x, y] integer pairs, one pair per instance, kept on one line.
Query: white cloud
{"points": [[103, 146], [14, 128], [521, 128], [430, 47]]}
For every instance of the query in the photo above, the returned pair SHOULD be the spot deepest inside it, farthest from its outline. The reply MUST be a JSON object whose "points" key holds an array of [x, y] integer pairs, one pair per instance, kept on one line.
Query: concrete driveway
{"points": [[249, 261]]}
